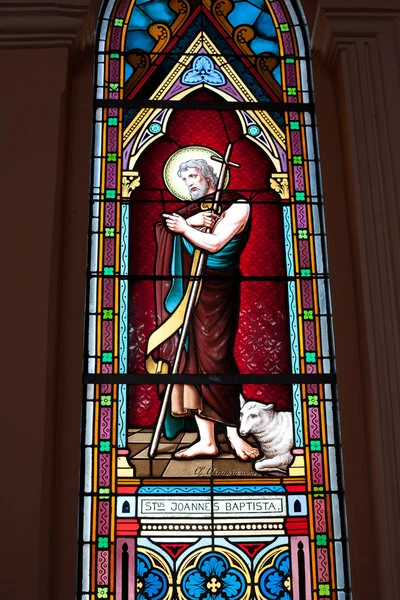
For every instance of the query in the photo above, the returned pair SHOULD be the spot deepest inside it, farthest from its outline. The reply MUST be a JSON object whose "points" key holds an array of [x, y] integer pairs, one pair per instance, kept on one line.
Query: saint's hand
{"points": [[175, 223], [203, 219]]}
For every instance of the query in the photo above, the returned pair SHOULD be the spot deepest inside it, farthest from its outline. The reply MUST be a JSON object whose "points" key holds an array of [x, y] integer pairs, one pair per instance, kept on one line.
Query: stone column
{"points": [[34, 57], [357, 42]]}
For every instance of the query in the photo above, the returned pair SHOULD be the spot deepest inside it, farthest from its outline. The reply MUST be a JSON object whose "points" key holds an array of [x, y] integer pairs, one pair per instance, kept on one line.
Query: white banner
{"points": [[223, 506]]}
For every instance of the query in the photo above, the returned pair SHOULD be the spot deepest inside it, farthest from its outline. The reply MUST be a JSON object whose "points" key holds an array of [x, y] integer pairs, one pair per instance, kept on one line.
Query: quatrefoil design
{"points": [[203, 72]]}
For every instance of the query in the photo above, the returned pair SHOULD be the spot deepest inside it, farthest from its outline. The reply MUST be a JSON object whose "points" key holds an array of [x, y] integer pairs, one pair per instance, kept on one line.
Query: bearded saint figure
{"points": [[209, 348]]}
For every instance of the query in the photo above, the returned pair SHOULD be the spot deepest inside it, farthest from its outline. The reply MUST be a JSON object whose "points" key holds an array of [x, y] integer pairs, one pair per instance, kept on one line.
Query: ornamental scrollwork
{"points": [[130, 181], [279, 183]]}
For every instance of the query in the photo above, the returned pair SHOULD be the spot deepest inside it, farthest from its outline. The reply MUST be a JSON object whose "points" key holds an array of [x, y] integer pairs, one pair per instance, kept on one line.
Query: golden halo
{"points": [[170, 174]]}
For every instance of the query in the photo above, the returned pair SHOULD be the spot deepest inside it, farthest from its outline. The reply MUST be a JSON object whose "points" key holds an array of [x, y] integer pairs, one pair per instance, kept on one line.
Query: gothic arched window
{"points": [[210, 454]]}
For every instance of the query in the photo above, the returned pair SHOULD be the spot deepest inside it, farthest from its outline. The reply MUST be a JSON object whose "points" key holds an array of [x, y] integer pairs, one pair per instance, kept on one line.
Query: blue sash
{"points": [[226, 258]]}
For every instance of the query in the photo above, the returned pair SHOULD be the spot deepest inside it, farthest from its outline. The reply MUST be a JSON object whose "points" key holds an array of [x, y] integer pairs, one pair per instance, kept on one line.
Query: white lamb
{"points": [[273, 431]]}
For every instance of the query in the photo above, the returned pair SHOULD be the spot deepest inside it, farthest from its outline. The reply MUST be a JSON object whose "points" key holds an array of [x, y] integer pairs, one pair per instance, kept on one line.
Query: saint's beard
{"points": [[199, 193]]}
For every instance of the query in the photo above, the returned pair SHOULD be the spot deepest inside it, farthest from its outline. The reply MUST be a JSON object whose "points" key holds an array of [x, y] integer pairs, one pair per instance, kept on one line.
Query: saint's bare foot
{"points": [[198, 449], [242, 449]]}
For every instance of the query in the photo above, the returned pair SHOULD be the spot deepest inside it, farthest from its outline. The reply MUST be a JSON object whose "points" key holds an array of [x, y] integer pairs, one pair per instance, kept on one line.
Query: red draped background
{"points": [[262, 343]]}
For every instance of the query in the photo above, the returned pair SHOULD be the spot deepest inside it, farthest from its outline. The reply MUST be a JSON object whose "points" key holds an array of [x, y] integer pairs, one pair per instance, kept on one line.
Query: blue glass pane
{"points": [[259, 3], [109, 7], [243, 13], [159, 12], [277, 74], [103, 30], [128, 71], [139, 39], [264, 26], [292, 13], [259, 45], [138, 20]]}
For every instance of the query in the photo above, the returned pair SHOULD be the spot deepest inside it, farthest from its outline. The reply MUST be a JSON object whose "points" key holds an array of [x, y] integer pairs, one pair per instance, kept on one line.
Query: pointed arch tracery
{"points": [[157, 60]]}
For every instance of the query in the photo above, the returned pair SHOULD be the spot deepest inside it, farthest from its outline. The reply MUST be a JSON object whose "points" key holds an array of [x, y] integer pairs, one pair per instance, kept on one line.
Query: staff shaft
{"points": [[189, 310], [179, 351]]}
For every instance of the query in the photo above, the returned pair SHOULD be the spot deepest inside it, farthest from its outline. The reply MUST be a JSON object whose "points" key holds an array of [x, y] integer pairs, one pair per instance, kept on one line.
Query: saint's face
{"points": [[198, 185]]}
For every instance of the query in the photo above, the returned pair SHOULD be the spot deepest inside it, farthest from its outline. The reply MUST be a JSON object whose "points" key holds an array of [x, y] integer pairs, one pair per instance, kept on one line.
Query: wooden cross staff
{"points": [[191, 302]]}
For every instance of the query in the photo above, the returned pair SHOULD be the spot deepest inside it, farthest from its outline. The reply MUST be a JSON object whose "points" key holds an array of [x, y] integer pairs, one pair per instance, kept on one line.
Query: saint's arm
{"points": [[233, 222], [203, 219]]}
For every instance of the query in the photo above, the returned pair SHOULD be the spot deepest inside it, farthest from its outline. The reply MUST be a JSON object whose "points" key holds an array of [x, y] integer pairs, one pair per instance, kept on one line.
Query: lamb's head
{"points": [[254, 416]]}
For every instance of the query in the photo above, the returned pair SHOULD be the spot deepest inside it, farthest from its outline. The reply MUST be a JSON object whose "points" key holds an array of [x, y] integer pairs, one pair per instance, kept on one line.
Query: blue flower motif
{"points": [[253, 130], [155, 128], [203, 71], [213, 579], [151, 583], [274, 582], [212, 566]]}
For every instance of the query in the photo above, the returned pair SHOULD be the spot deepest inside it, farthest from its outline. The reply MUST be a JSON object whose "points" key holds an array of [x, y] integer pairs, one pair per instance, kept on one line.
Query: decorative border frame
{"points": [[106, 473]]}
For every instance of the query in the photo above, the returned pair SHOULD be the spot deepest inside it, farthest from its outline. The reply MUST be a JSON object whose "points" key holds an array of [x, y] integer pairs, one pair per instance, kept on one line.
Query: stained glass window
{"points": [[211, 455]]}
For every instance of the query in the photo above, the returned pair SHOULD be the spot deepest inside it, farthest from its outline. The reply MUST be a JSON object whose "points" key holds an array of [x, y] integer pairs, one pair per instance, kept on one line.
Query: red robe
{"points": [[212, 329]]}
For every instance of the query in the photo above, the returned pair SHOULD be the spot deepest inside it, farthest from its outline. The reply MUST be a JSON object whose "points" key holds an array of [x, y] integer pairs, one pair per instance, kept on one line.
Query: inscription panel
{"points": [[233, 507]]}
